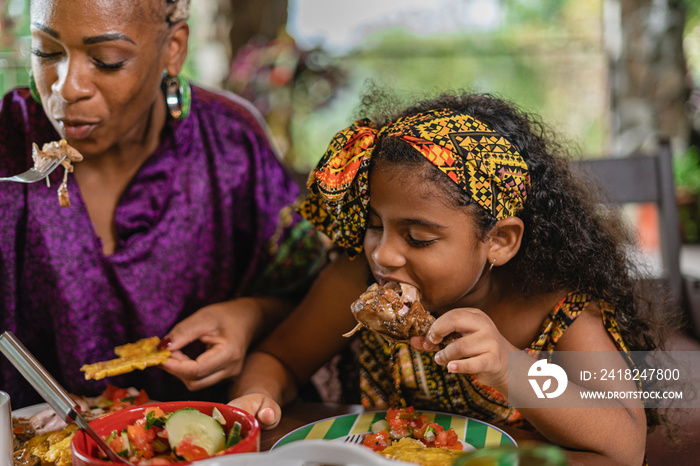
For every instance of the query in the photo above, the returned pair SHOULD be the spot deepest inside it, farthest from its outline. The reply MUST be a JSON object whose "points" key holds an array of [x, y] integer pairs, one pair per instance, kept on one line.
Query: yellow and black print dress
{"points": [[400, 376]]}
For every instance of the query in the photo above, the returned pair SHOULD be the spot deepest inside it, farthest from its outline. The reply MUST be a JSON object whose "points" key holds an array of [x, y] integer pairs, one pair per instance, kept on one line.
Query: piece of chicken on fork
{"points": [[57, 150]]}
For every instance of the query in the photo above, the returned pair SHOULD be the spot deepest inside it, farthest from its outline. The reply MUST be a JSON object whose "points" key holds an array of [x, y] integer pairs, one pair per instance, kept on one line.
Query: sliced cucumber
{"points": [[204, 431], [379, 426]]}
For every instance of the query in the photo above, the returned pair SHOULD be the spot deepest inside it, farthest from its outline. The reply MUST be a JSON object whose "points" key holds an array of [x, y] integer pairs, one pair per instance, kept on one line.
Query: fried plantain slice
{"points": [[132, 356]]}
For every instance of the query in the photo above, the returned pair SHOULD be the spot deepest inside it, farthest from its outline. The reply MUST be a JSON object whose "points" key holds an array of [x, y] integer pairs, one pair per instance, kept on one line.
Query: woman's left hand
{"points": [[481, 350]]}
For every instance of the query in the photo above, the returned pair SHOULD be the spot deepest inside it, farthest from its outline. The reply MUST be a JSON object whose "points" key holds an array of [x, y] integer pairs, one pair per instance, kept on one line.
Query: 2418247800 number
{"points": [[640, 374]]}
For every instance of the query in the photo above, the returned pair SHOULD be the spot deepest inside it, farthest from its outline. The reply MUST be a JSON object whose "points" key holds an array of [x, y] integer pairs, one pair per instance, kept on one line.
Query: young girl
{"points": [[464, 198]]}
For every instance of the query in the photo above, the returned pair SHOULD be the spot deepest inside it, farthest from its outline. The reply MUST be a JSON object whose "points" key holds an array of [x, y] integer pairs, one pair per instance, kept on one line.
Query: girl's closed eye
{"points": [[420, 243]]}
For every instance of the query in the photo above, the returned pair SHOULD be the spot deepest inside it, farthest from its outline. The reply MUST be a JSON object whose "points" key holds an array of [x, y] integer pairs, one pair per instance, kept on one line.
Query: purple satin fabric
{"points": [[191, 228]]}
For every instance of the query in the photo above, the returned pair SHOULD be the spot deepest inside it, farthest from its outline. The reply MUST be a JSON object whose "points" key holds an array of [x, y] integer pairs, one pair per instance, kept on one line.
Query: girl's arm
{"points": [[308, 338], [614, 428]]}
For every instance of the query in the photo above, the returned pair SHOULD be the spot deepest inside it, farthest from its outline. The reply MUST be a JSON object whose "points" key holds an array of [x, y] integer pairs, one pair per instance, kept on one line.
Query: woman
{"points": [[175, 208]]}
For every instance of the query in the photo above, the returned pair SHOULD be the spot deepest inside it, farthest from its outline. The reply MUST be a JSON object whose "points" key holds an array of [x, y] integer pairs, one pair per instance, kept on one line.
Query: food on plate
{"points": [[44, 439], [144, 353], [414, 451], [401, 423], [51, 448], [161, 433], [187, 434], [57, 150]]}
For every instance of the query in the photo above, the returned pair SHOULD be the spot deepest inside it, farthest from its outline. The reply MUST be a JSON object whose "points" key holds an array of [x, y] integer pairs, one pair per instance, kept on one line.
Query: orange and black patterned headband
{"points": [[480, 161]]}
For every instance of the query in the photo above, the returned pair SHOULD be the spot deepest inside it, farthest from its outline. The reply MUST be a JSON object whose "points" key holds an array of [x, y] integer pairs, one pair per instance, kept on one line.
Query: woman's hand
{"points": [[227, 329], [481, 350], [264, 408]]}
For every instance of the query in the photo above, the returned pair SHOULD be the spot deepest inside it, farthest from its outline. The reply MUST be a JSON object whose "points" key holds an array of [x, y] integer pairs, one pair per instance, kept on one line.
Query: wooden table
{"points": [[298, 414]]}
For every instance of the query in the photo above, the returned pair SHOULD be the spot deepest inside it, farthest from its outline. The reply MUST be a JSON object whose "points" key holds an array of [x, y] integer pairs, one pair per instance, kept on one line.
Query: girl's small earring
{"points": [[492, 264], [178, 96], [32, 88]]}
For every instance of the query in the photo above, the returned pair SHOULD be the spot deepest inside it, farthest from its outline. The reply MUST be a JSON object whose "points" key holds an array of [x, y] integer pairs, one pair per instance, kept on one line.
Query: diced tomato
{"points": [[159, 460], [420, 432], [378, 441], [141, 398], [109, 392], [406, 421], [418, 421], [447, 439], [113, 393], [400, 427], [139, 435], [189, 451], [141, 439], [428, 433], [452, 441], [118, 444], [157, 412]]}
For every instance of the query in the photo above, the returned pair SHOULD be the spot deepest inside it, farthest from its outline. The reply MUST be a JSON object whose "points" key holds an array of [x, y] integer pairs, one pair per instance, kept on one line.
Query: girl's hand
{"points": [[481, 350], [262, 407]]}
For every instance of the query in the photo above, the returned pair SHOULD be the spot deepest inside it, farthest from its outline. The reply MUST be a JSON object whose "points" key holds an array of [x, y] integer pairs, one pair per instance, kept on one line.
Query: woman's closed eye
{"points": [[108, 66], [45, 55]]}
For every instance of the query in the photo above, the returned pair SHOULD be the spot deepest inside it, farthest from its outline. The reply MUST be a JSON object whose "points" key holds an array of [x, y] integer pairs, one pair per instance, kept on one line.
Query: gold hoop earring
{"points": [[178, 96], [492, 264]]}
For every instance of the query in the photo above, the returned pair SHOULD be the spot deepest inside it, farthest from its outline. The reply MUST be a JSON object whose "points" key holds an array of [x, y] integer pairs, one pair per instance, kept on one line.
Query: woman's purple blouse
{"points": [[191, 228]]}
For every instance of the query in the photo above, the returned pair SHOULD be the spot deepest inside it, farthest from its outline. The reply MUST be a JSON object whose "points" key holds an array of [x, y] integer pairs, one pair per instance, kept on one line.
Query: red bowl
{"points": [[86, 452]]}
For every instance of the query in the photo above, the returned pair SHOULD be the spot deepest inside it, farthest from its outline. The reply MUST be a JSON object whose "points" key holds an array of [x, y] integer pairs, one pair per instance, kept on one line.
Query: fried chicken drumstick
{"points": [[394, 311]]}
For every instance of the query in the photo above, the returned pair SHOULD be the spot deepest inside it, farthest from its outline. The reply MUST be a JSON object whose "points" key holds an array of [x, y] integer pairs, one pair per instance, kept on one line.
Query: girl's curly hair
{"points": [[570, 241]]}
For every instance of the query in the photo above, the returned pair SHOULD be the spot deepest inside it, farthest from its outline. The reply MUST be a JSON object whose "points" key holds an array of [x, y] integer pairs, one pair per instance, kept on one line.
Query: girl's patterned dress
{"points": [[399, 376]]}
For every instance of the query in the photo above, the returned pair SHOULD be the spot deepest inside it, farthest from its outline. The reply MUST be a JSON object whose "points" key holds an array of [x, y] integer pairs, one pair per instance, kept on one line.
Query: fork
{"points": [[355, 438], [32, 175]]}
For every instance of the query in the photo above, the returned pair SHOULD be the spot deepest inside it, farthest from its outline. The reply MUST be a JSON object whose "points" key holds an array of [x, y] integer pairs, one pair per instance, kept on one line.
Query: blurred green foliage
{"points": [[545, 55], [686, 169]]}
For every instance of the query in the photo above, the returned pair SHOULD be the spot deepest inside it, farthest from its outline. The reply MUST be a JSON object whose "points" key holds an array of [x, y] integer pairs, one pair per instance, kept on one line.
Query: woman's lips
{"points": [[77, 130]]}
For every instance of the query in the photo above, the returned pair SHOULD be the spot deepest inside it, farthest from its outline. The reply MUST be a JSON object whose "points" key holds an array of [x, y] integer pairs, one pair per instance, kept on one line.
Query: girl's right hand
{"points": [[265, 409]]}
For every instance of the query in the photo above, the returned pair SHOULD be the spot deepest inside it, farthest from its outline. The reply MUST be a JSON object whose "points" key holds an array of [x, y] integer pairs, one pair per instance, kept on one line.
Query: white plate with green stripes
{"points": [[473, 434]]}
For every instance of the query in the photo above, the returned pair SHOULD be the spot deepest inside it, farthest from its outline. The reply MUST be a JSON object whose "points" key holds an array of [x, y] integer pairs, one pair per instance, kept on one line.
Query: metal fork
{"points": [[32, 175], [355, 438]]}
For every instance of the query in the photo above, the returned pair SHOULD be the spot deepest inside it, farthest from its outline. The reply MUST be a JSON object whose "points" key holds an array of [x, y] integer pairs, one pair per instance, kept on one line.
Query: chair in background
{"points": [[646, 179], [649, 179]]}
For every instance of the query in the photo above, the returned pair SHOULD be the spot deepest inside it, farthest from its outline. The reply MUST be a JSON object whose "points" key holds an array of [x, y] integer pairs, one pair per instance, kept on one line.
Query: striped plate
{"points": [[477, 434]]}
